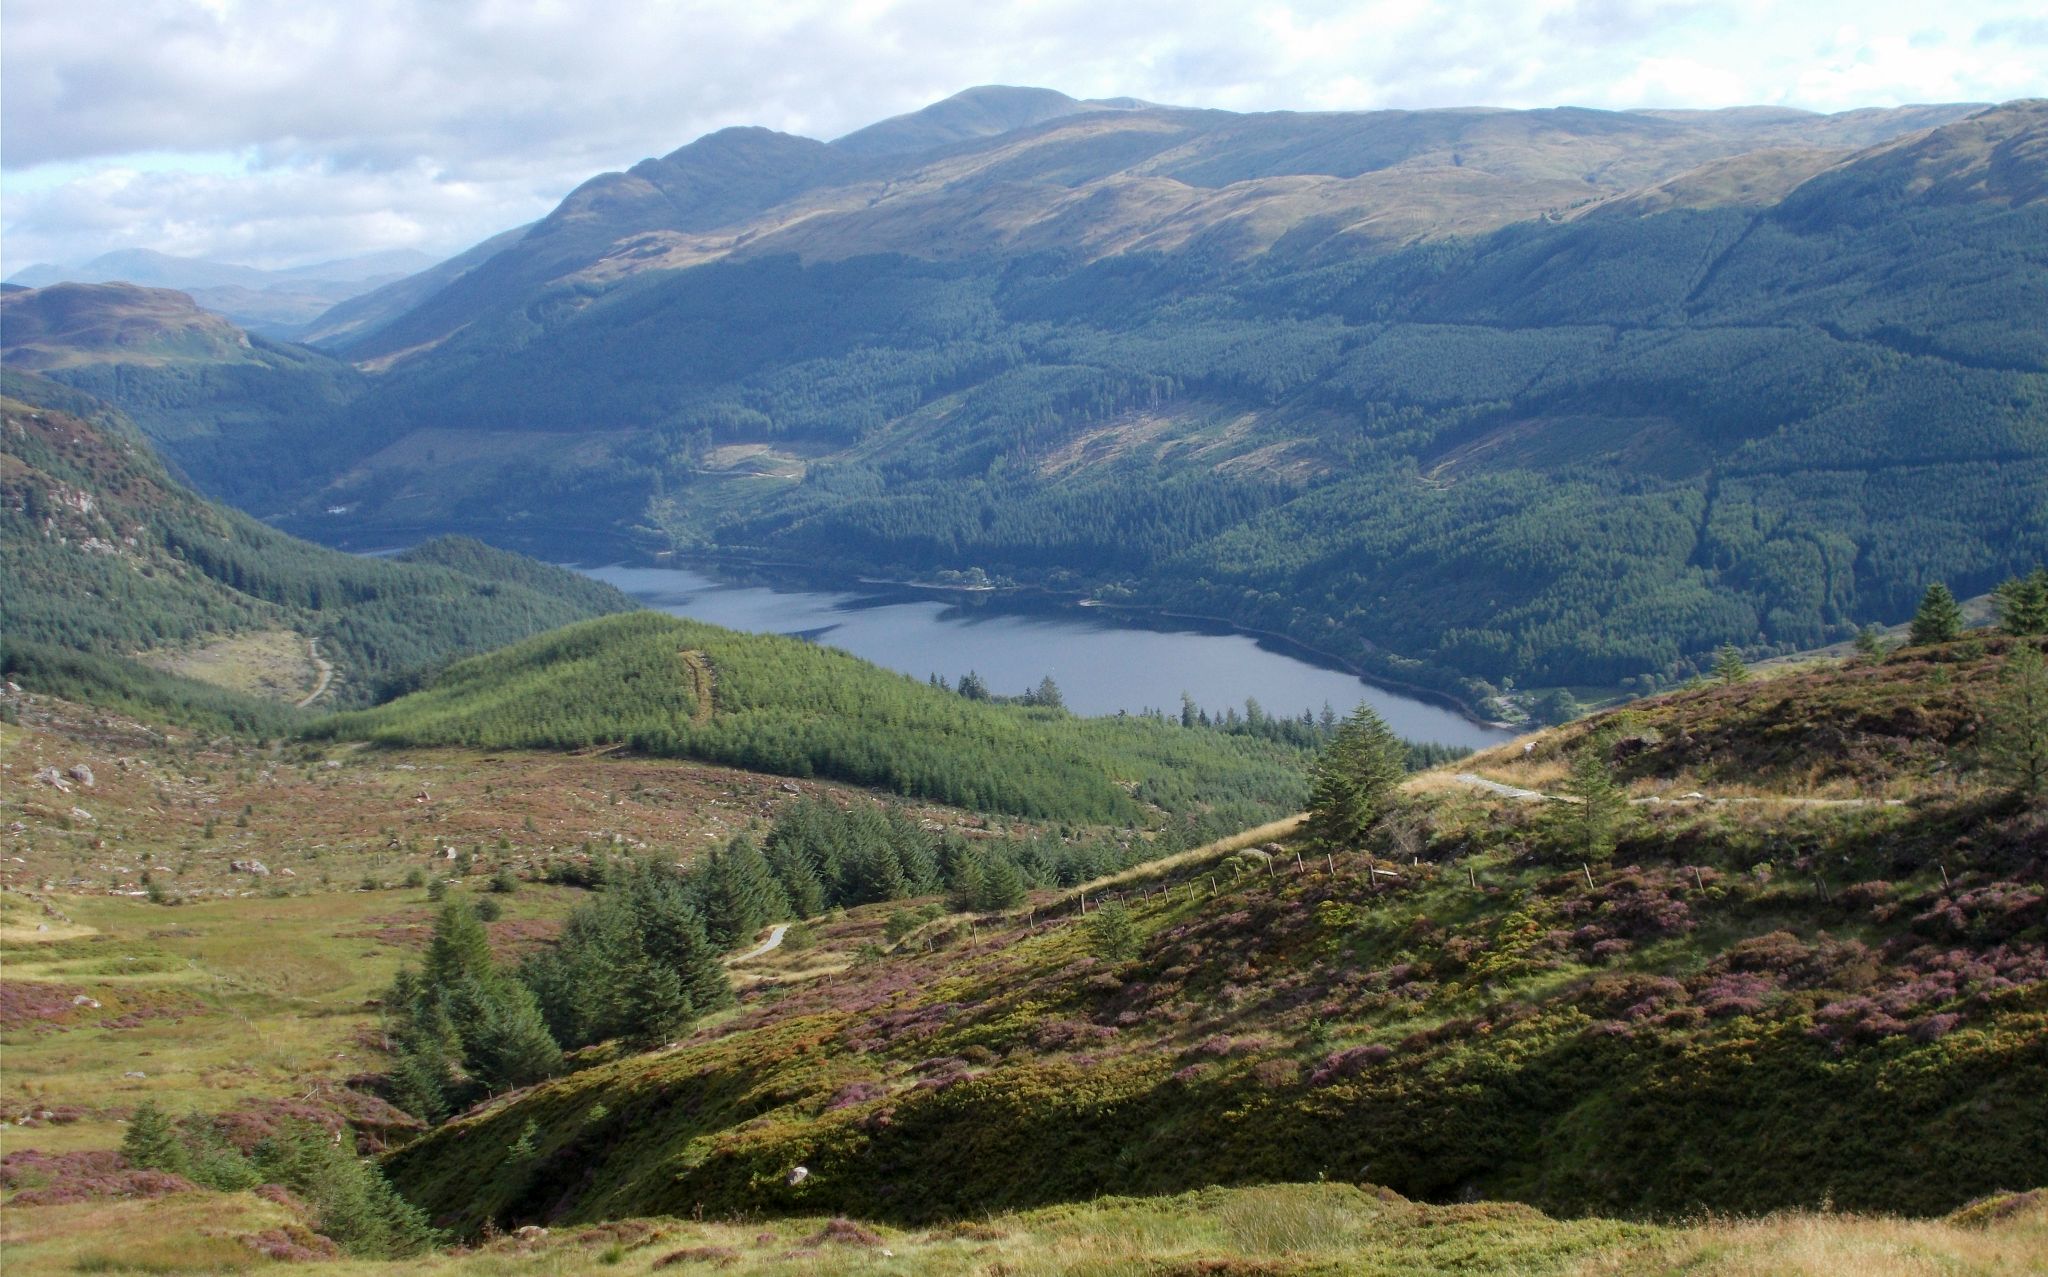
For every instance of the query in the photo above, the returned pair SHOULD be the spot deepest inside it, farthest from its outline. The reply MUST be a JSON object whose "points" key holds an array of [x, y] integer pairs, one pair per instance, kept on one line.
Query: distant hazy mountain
{"points": [[367, 311], [272, 302]]}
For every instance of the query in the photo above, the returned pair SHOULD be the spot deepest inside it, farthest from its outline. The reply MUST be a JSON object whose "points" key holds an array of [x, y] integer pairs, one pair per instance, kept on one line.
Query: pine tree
{"points": [[1352, 783], [1938, 618], [1587, 826], [1870, 643], [1002, 885], [2015, 733], [798, 879], [965, 893], [740, 894], [2023, 603], [1112, 935], [152, 1142], [1728, 666], [460, 948], [506, 1043]]}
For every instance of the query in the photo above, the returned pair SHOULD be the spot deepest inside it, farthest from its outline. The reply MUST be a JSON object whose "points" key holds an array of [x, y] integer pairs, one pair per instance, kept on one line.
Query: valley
{"points": [[1431, 392], [1151, 692]]}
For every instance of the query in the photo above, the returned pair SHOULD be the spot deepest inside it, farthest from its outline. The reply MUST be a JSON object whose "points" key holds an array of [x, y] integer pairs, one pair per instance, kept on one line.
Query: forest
{"points": [[1441, 463], [107, 556], [676, 688]]}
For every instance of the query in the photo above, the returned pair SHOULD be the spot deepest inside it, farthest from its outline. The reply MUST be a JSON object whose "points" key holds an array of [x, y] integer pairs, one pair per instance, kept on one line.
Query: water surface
{"points": [[1102, 663]]}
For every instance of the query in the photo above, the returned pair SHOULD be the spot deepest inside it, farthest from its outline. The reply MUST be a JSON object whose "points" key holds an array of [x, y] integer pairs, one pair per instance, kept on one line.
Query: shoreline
{"points": [[1075, 599]]}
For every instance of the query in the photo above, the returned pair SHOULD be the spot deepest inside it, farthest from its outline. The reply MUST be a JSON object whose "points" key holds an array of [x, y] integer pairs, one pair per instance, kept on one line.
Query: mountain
{"points": [[362, 314], [999, 170], [1472, 399], [239, 413], [114, 568], [273, 302], [970, 114], [1467, 1005], [71, 325]]}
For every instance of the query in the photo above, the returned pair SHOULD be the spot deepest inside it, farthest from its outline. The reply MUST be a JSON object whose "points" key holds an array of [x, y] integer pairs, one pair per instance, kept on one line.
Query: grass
{"points": [[213, 1004], [1260, 1231], [184, 809], [270, 663]]}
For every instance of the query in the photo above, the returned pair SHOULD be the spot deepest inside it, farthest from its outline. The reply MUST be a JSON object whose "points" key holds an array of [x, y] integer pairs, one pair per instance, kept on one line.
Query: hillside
{"points": [[1468, 1007], [1562, 399], [674, 688], [1577, 453], [240, 413], [1384, 1058], [108, 558]]}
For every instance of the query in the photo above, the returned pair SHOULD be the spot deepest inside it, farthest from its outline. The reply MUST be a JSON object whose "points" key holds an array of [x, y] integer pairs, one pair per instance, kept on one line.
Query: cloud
{"points": [[269, 128]]}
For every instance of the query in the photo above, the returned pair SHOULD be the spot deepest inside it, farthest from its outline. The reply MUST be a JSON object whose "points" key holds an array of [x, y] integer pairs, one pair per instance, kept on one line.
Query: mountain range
{"points": [[1471, 398], [275, 303]]}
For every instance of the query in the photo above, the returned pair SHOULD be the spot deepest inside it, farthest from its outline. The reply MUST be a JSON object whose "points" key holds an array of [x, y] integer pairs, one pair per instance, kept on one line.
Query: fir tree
{"points": [[1870, 644], [1728, 665], [1002, 885], [2023, 603], [152, 1143], [2015, 733], [1938, 618], [1112, 934], [1353, 781], [1587, 826], [740, 894]]}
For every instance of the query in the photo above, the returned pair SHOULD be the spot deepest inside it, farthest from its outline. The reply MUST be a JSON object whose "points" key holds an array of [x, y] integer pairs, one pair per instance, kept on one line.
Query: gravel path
{"points": [[774, 941]]}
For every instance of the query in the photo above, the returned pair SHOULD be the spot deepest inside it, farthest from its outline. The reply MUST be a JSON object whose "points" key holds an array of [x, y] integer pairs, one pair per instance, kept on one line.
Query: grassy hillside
{"points": [[1297, 1230], [1754, 1005], [675, 688], [108, 557], [1750, 1007]]}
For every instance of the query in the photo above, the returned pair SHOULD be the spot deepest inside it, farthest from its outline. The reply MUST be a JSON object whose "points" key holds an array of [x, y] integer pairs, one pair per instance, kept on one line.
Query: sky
{"points": [[282, 132]]}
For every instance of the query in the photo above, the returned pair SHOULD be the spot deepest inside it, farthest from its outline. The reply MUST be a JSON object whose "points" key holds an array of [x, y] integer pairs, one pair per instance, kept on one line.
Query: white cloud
{"points": [[430, 123]]}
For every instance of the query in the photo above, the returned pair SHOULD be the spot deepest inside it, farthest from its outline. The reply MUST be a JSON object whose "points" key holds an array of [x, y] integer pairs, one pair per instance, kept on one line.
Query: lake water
{"points": [[1101, 664]]}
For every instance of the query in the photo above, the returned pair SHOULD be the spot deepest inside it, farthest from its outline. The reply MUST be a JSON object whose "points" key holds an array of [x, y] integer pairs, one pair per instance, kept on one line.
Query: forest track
{"points": [[772, 943], [326, 669], [1519, 794], [698, 666]]}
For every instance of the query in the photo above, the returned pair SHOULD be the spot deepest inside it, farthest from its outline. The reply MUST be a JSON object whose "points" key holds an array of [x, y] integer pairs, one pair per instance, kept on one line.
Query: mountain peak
{"points": [[982, 111]]}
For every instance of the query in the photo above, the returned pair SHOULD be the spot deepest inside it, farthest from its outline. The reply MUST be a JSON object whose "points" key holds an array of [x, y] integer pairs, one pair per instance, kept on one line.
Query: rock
{"points": [[135, 1073], [82, 1001], [288, 873], [797, 1175], [54, 779], [256, 867], [80, 813], [789, 787], [530, 1232], [82, 774]]}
